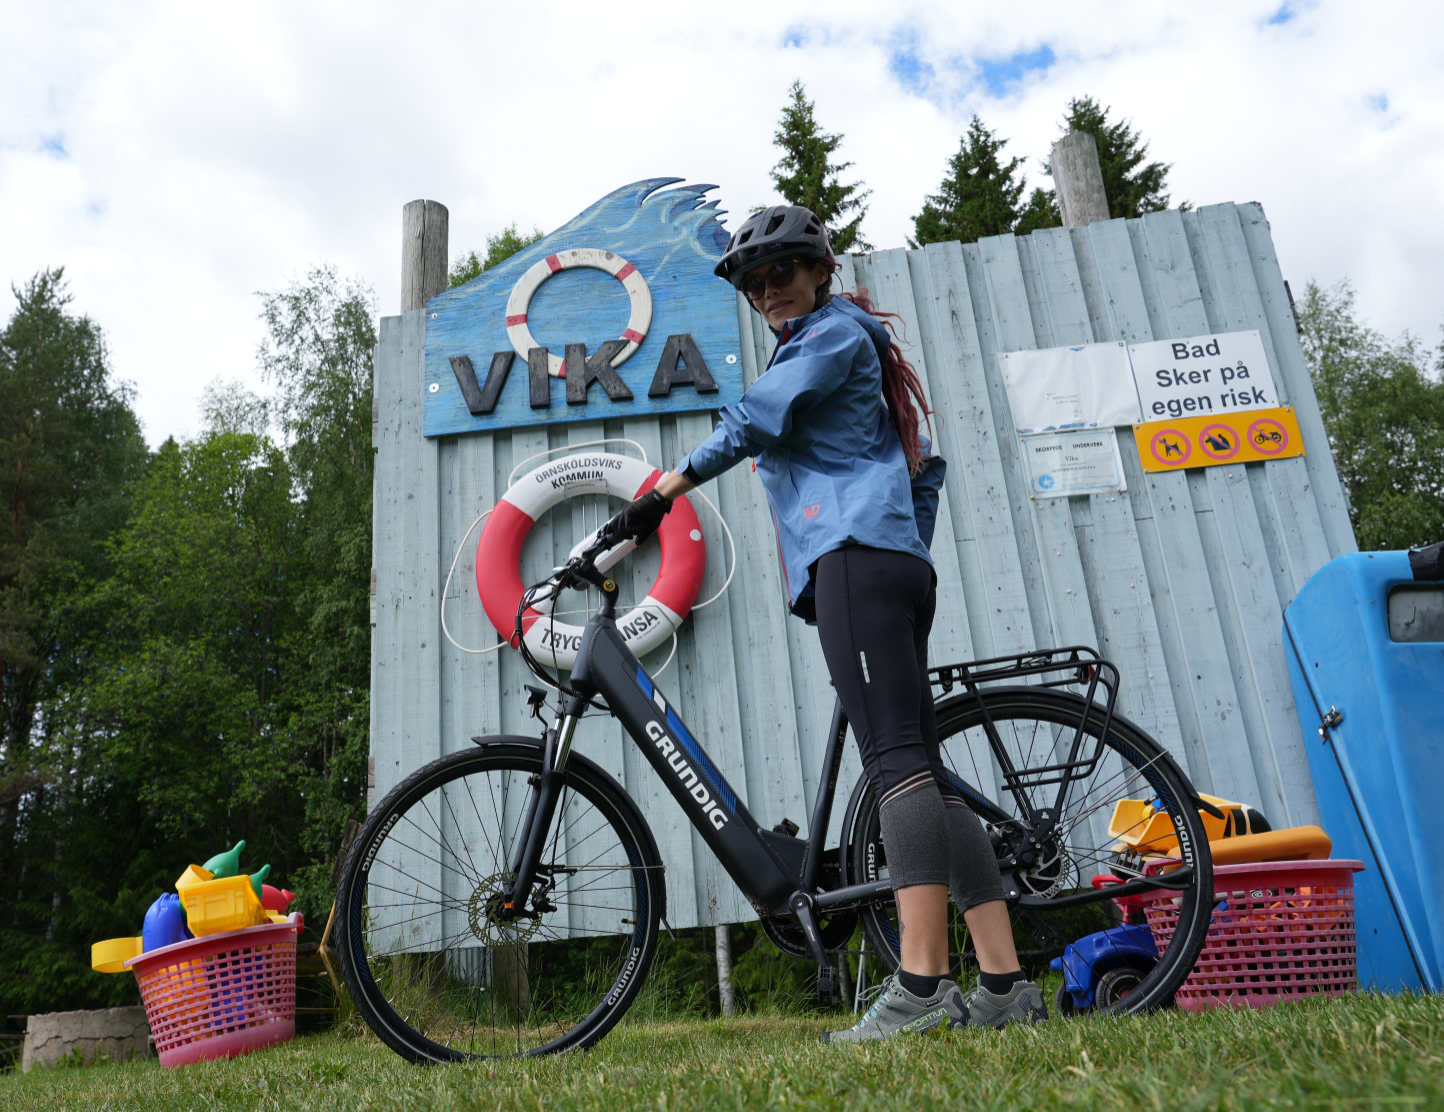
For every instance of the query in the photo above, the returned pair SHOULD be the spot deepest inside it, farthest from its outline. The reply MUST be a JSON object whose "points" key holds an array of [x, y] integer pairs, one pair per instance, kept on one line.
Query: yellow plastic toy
{"points": [[194, 874], [1232, 839], [111, 955], [225, 904]]}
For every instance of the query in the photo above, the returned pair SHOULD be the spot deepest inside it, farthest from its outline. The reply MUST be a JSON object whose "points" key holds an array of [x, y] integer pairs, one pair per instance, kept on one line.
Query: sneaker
{"points": [[897, 1010], [1023, 1003]]}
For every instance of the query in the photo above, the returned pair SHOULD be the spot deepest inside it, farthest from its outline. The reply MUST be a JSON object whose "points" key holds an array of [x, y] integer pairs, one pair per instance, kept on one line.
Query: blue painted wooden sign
{"points": [[615, 314]]}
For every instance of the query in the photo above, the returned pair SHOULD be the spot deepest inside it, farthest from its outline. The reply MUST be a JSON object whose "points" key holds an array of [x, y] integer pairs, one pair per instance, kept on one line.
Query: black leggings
{"points": [[874, 613]]}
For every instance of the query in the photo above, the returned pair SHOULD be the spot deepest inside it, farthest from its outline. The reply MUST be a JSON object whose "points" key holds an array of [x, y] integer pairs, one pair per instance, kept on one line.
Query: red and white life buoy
{"points": [[618, 267], [498, 556]]}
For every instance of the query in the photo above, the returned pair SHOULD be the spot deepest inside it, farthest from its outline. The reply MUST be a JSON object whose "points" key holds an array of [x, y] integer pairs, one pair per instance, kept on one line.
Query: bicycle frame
{"points": [[778, 874]]}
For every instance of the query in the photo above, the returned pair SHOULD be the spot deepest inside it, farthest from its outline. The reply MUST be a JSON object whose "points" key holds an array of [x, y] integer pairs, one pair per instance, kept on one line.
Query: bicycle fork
{"points": [[547, 787]]}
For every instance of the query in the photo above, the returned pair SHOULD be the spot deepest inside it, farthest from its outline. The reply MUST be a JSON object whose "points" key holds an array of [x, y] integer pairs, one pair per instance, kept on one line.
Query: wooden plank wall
{"points": [[1181, 581]]}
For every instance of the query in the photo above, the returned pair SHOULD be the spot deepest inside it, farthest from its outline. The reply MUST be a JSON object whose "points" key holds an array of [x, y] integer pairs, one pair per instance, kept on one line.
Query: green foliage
{"points": [[805, 174], [499, 247], [1041, 211], [321, 338], [70, 450], [70, 454], [979, 196], [1132, 186], [212, 682], [1383, 409]]}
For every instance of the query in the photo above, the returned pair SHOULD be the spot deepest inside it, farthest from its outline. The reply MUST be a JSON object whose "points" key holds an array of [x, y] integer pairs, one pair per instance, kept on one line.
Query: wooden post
{"points": [[1078, 180], [724, 970], [424, 226]]}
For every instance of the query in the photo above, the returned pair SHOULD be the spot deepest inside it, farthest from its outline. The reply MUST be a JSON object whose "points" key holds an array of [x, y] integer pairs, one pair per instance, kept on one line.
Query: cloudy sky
{"points": [[176, 157]]}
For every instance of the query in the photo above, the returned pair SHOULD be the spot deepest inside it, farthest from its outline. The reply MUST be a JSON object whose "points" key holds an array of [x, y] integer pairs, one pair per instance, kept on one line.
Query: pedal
{"points": [[826, 986]]}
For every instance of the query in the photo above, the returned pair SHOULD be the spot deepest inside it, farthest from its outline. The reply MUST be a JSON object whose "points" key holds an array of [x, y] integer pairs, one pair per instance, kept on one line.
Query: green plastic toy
{"points": [[226, 864], [257, 879]]}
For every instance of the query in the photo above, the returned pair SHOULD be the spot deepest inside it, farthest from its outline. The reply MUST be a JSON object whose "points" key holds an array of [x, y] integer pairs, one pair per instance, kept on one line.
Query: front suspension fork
{"points": [[546, 793]]}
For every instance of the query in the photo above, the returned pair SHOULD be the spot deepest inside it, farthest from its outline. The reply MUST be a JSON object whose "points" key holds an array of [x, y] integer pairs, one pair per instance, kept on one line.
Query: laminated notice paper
{"points": [[1078, 462], [1070, 387]]}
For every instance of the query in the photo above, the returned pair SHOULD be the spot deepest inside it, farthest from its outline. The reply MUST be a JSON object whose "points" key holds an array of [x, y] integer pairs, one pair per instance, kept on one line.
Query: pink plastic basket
{"points": [[1279, 931], [220, 995]]}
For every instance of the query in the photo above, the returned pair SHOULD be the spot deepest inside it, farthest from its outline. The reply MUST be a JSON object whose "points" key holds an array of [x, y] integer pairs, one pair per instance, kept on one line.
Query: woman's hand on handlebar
{"points": [[641, 518]]}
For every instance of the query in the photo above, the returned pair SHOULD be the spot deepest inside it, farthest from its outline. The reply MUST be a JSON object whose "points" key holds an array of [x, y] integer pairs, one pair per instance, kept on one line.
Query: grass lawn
{"points": [[1362, 1052]]}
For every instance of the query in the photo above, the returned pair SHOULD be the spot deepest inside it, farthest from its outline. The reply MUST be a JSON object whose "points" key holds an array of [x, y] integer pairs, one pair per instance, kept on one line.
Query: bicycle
{"points": [[506, 899]]}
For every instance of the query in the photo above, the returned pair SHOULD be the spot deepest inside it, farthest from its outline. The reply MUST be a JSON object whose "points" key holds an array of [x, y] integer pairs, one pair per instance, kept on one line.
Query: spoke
{"points": [[437, 823], [496, 854], [402, 892], [457, 868], [476, 874]]}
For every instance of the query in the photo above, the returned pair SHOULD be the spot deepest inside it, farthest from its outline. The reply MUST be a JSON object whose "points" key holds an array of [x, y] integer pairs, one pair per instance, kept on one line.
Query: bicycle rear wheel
{"points": [[1036, 726], [431, 967]]}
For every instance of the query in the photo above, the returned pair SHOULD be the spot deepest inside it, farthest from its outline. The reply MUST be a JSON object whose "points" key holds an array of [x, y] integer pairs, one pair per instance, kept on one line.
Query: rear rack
{"points": [[1075, 666], [1082, 665]]}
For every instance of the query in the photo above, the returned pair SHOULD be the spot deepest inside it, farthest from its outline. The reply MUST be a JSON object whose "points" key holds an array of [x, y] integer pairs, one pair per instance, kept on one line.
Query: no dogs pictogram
{"points": [[1170, 447]]}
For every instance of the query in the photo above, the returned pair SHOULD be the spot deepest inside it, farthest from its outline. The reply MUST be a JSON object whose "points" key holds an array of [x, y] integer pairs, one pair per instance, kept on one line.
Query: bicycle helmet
{"points": [[773, 233]]}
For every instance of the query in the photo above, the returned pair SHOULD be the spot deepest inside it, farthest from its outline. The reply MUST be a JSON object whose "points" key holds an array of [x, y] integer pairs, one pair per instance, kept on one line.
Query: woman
{"points": [[834, 432]]}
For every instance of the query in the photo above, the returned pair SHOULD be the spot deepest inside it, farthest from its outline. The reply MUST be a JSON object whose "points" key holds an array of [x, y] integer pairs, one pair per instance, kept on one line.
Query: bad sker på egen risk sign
{"points": [[1202, 375]]}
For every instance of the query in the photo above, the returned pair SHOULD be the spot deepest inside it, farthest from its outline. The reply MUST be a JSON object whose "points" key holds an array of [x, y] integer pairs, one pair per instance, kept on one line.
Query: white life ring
{"points": [[618, 267], [646, 626]]}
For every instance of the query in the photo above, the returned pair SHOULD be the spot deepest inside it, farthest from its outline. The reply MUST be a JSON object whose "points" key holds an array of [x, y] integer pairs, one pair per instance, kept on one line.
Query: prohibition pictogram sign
{"points": [[1248, 436], [1170, 447], [1219, 442], [1268, 437]]}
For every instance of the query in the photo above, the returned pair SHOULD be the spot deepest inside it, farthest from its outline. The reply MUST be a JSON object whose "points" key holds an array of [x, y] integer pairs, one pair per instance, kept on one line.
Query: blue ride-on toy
{"points": [[1101, 969]]}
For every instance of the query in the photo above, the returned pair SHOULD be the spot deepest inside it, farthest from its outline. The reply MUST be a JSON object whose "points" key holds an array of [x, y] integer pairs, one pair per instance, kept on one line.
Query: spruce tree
{"points": [[806, 176], [1133, 187], [978, 198]]}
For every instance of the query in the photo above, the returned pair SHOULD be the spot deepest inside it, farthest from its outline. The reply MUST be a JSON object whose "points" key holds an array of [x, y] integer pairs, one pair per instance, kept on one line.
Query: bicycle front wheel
{"points": [[1036, 727], [431, 966]]}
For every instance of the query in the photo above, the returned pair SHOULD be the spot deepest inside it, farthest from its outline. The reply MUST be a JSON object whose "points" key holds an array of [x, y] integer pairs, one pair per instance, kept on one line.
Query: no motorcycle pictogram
{"points": [[1244, 437]]}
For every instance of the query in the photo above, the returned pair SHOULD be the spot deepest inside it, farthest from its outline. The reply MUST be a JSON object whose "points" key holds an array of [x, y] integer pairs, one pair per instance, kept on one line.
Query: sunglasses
{"points": [[778, 275]]}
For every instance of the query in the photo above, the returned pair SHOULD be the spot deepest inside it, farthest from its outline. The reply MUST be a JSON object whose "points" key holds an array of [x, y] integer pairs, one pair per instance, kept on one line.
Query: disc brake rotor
{"points": [[1051, 873], [481, 915]]}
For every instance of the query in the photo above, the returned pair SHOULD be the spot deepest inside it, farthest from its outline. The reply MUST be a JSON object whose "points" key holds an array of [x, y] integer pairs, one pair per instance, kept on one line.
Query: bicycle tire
{"points": [[440, 979], [1142, 766]]}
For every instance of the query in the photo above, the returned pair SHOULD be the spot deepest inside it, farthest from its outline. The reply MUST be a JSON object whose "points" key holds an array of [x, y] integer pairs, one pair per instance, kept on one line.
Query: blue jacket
{"points": [[831, 462]]}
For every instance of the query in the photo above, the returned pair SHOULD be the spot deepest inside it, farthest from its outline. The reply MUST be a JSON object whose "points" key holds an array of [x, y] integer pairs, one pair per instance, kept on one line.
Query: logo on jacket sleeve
{"points": [[810, 512]]}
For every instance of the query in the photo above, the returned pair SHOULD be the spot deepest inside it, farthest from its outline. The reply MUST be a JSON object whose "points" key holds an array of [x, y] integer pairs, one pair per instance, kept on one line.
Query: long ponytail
{"points": [[901, 387]]}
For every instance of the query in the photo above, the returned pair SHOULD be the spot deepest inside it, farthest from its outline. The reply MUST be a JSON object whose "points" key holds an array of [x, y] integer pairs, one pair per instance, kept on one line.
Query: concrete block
{"points": [[117, 1033]]}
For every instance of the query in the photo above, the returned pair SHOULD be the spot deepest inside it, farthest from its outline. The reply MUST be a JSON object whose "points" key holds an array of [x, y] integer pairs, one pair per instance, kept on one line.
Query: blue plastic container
{"points": [[1085, 961], [165, 924], [1363, 639]]}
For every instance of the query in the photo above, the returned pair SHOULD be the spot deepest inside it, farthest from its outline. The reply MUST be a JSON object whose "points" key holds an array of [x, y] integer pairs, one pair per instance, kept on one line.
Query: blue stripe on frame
{"points": [[672, 237]]}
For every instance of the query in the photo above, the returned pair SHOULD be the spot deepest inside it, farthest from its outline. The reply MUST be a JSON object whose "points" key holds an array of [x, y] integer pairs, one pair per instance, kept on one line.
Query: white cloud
{"points": [[176, 159]]}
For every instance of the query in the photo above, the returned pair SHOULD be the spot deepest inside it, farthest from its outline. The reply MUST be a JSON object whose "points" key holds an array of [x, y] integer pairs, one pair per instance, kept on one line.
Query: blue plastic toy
{"points": [[165, 924], [1100, 969]]}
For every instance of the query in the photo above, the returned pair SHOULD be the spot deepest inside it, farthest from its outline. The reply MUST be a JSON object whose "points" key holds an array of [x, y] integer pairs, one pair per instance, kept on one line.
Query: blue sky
{"points": [[177, 158]]}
